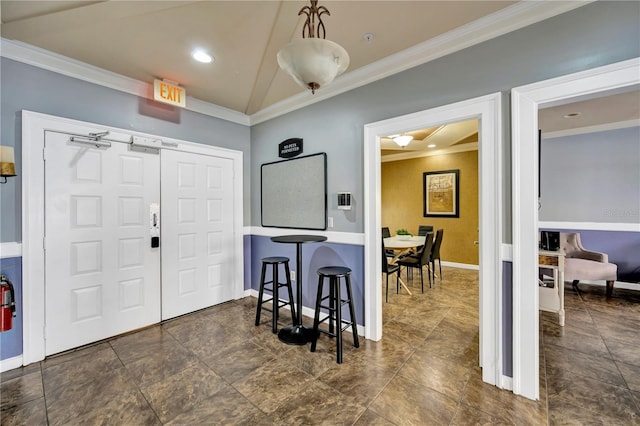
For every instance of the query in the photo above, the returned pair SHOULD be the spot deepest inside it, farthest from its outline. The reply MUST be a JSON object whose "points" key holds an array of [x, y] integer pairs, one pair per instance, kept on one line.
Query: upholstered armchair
{"points": [[582, 264]]}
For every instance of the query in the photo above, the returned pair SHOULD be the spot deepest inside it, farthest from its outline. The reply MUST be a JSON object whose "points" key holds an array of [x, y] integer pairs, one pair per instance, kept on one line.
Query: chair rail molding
{"points": [[591, 226], [354, 238], [11, 249]]}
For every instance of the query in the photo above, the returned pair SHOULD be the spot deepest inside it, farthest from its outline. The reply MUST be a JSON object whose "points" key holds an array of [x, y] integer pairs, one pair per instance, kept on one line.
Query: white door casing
{"points": [[34, 126], [525, 101], [487, 109], [102, 276], [197, 263]]}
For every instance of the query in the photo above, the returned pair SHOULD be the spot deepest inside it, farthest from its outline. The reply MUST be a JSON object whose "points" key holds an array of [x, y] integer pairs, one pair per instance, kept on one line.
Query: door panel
{"points": [[197, 232], [102, 276]]}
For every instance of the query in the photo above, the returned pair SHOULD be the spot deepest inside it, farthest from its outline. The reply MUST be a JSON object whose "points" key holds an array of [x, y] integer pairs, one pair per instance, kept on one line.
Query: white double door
{"points": [[103, 275]]}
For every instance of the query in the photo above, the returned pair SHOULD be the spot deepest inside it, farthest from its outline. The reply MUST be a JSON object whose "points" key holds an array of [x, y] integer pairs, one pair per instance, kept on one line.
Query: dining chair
{"points": [[389, 269], [435, 254], [423, 229], [386, 234], [423, 258]]}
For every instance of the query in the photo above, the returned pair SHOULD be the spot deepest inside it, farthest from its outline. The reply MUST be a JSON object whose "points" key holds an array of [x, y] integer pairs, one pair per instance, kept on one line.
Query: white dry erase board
{"points": [[294, 193]]}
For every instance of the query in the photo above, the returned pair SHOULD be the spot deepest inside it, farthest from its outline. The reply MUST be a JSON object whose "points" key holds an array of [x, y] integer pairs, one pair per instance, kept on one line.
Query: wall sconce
{"points": [[7, 163]]}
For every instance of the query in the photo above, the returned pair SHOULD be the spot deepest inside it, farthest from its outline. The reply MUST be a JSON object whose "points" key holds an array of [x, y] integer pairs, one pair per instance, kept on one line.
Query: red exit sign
{"points": [[169, 93]]}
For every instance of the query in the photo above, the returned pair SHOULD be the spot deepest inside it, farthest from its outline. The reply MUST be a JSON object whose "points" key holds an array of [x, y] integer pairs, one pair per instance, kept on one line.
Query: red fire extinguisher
{"points": [[7, 304]]}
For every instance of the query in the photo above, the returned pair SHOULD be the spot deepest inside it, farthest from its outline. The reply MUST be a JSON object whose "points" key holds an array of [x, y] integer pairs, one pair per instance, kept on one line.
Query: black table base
{"points": [[296, 335]]}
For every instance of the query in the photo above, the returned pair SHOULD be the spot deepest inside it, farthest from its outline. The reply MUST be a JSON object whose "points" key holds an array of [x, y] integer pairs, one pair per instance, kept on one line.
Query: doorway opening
{"points": [[526, 101], [430, 186], [487, 110]]}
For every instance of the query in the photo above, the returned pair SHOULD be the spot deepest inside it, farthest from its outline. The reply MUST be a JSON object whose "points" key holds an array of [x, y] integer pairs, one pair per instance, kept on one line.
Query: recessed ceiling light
{"points": [[201, 56], [431, 145], [572, 115]]}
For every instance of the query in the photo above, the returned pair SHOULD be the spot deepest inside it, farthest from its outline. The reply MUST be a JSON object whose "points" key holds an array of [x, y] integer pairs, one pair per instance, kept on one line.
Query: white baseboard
{"points": [[617, 284], [10, 363], [506, 382], [461, 265]]}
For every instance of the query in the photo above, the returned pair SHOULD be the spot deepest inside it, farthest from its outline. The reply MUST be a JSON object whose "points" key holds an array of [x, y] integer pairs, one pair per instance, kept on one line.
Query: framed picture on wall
{"points": [[441, 193]]}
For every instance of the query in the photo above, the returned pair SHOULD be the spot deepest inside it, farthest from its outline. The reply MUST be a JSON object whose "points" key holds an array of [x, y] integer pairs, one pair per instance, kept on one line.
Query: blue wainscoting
{"points": [[507, 319], [621, 246], [314, 256], [246, 241], [11, 341]]}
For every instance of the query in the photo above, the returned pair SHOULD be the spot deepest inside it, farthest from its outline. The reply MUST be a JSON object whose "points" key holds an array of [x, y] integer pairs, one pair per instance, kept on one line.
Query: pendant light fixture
{"points": [[313, 62], [403, 140]]}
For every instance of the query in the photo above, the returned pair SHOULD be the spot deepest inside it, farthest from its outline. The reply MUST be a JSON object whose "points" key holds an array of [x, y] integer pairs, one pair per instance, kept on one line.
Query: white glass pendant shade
{"points": [[313, 62], [403, 140]]}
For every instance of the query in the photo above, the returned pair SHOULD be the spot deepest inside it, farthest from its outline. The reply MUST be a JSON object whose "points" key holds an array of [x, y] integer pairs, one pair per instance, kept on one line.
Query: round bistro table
{"points": [[297, 334]]}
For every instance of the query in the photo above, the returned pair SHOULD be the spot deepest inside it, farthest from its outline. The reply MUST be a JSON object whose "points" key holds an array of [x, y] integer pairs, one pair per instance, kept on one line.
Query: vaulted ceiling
{"points": [[148, 39]]}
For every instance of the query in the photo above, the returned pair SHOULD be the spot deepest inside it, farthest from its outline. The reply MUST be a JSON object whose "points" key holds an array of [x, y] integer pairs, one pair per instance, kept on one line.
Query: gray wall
{"points": [[591, 178], [35, 89], [593, 35]]}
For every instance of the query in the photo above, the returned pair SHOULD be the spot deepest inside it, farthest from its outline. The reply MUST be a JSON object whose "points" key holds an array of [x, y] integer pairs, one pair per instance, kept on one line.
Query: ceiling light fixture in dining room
{"points": [[312, 61], [403, 140]]}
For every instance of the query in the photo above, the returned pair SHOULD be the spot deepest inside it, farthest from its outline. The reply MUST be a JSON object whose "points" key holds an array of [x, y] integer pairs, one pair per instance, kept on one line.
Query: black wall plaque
{"points": [[290, 148]]}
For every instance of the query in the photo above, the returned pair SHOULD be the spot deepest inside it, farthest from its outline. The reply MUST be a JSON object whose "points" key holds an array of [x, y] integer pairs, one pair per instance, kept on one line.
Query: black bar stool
{"points": [[334, 273], [275, 285]]}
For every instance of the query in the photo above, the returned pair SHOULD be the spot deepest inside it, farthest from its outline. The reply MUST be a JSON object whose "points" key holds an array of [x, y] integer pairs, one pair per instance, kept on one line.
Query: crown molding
{"points": [[472, 146], [512, 18], [31, 55], [592, 129], [509, 19]]}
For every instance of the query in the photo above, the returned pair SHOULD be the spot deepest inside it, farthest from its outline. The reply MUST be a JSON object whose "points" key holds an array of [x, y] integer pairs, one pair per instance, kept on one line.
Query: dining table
{"points": [[298, 333], [402, 245]]}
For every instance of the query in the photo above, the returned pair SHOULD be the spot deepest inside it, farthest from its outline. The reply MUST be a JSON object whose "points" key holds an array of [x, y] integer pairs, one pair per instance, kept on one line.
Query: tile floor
{"points": [[593, 363], [216, 367]]}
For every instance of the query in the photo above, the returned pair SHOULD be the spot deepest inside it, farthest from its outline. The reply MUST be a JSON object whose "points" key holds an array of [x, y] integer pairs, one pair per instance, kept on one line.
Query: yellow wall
{"points": [[402, 202]]}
